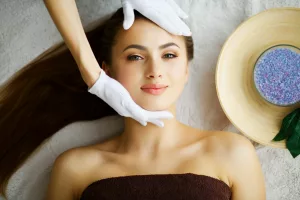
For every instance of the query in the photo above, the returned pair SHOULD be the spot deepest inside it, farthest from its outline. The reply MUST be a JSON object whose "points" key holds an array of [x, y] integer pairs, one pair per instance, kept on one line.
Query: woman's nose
{"points": [[155, 76], [154, 69]]}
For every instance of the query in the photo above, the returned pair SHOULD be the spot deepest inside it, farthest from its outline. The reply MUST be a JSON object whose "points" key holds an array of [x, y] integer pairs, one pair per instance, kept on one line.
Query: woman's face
{"points": [[147, 54]]}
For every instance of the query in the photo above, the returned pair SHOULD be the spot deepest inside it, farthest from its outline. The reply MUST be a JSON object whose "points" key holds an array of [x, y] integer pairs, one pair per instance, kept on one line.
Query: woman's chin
{"points": [[154, 107], [154, 104]]}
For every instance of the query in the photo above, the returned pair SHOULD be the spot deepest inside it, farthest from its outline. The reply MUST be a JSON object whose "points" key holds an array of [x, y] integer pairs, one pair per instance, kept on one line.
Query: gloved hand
{"points": [[165, 13], [117, 97]]}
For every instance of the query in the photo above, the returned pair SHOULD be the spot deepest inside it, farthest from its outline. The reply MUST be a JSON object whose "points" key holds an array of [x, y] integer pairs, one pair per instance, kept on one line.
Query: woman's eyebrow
{"points": [[168, 44], [143, 48]]}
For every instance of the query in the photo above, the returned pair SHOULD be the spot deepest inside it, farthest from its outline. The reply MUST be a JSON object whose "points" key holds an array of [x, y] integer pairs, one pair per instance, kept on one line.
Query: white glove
{"points": [[165, 13], [117, 97]]}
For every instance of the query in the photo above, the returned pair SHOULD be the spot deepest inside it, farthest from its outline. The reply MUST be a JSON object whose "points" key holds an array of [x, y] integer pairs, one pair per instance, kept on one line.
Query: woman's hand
{"points": [[117, 97], [165, 13]]}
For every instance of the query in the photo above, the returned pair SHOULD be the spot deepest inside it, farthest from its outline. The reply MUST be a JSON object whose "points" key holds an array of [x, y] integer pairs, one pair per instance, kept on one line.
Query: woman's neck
{"points": [[146, 142]]}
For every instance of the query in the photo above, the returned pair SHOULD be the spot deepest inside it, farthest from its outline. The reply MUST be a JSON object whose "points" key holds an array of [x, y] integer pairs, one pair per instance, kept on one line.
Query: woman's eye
{"points": [[134, 58], [169, 55]]}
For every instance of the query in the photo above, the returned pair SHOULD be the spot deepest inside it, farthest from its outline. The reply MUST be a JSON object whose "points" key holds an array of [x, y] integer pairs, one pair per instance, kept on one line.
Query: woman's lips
{"points": [[154, 91]]}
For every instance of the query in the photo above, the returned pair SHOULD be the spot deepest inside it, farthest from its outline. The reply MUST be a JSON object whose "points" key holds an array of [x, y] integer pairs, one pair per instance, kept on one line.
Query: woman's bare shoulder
{"points": [[80, 154], [229, 140], [235, 145], [90, 152], [86, 157], [79, 159], [77, 165], [242, 166]]}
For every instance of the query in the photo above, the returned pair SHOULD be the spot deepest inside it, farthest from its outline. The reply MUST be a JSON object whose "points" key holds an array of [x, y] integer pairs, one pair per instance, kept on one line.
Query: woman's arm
{"points": [[65, 15], [63, 178], [246, 174]]}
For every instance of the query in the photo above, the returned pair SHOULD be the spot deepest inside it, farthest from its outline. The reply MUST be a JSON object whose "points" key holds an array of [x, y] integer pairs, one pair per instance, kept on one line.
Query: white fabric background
{"points": [[26, 30]]}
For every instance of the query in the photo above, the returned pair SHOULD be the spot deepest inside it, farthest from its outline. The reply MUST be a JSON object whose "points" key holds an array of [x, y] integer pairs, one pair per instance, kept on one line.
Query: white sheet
{"points": [[26, 30]]}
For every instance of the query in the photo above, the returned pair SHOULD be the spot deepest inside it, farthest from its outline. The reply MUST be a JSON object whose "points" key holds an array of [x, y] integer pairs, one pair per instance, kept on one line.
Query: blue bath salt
{"points": [[277, 75]]}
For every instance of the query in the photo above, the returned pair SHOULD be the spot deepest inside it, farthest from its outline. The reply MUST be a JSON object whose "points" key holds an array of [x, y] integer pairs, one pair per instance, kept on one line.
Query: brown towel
{"points": [[187, 186]]}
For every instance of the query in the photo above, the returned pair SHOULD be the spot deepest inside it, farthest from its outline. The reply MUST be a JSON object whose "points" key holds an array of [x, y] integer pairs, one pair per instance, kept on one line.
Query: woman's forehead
{"points": [[146, 33]]}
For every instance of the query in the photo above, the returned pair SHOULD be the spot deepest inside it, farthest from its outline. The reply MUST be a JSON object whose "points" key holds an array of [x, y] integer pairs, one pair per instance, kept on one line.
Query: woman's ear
{"points": [[105, 68], [187, 74]]}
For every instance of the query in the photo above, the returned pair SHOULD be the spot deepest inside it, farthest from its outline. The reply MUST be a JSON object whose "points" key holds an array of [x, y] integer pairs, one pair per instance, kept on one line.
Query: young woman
{"points": [[147, 161]]}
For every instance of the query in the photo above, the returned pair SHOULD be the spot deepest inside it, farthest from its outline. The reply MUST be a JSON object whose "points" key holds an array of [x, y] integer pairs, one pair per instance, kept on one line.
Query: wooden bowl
{"points": [[243, 105]]}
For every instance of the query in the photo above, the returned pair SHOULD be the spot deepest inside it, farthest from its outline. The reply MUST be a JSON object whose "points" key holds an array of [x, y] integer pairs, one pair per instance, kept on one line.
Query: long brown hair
{"points": [[48, 94]]}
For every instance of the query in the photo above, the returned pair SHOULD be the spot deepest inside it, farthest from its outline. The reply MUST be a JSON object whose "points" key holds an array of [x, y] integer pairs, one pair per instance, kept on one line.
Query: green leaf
{"points": [[293, 142], [287, 126]]}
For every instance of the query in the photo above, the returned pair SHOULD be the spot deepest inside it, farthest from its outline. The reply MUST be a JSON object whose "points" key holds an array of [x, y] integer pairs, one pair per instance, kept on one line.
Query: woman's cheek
{"points": [[178, 71], [126, 78]]}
